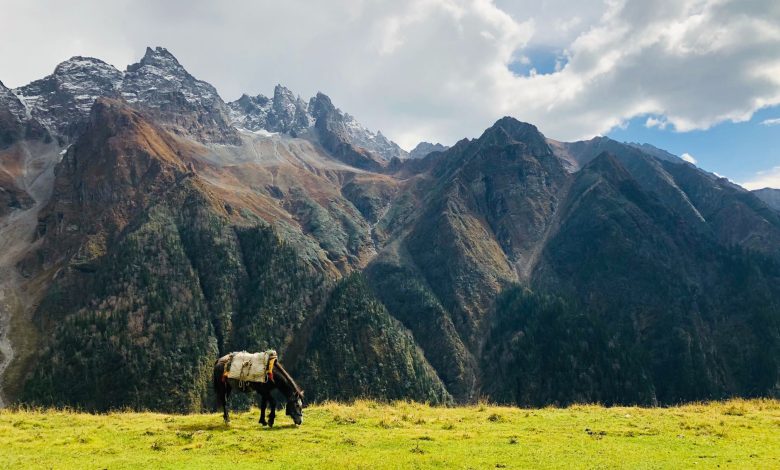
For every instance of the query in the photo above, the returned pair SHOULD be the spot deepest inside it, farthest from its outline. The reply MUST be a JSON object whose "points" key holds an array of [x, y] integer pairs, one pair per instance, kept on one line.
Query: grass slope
{"points": [[732, 434]]}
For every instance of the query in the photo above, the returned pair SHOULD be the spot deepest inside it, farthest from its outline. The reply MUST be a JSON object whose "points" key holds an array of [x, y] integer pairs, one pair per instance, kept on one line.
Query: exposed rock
{"points": [[283, 113], [291, 115], [424, 148], [62, 100], [185, 104], [334, 135]]}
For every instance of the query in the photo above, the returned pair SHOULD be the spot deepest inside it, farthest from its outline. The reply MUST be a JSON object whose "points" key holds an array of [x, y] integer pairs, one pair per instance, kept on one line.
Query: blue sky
{"points": [[738, 151]]}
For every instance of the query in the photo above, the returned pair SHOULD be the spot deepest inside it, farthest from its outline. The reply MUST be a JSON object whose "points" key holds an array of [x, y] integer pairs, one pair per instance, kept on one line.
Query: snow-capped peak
{"points": [[288, 113], [159, 57], [158, 75], [66, 96]]}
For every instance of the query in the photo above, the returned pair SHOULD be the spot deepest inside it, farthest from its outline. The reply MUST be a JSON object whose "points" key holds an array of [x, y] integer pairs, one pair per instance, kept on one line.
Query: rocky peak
{"points": [[159, 58], [284, 97], [374, 142], [320, 106], [329, 120], [159, 83], [289, 113], [424, 148], [332, 131], [62, 100], [283, 113], [159, 75], [508, 131], [250, 112]]}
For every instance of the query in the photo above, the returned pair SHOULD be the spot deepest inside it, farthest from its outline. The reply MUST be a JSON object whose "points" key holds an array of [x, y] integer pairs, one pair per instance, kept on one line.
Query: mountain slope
{"points": [[147, 226], [152, 272], [770, 196], [665, 290]]}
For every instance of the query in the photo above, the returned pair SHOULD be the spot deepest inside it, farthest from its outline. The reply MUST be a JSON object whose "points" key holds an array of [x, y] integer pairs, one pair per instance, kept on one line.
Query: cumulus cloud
{"points": [[688, 158], [439, 69], [771, 122]]}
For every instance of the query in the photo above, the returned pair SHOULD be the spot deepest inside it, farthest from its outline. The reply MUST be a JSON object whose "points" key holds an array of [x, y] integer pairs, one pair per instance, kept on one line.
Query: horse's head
{"points": [[294, 407]]}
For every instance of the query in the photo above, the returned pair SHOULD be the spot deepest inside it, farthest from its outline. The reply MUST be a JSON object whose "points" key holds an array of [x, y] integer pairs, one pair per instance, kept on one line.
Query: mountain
{"points": [[770, 196], [185, 104], [288, 114], [422, 149], [283, 113], [62, 100], [149, 230]]}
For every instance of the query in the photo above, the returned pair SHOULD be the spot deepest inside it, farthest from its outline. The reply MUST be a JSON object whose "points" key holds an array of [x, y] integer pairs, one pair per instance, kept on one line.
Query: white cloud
{"points": [[660, 123], [771, 122], [765, 179], [688, 158], [437, 69]]}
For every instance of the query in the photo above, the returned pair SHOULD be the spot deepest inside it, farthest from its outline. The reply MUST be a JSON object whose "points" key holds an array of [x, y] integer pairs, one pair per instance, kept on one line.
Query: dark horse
{"points": [[280, 380]]}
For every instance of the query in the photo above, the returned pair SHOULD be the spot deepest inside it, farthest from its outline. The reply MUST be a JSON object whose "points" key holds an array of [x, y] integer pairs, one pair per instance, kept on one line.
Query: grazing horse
{"points": [[279, 379]]}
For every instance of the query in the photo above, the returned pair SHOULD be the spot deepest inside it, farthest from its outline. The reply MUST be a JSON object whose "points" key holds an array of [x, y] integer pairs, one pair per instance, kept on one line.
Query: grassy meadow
{"points": [[731, 434]]}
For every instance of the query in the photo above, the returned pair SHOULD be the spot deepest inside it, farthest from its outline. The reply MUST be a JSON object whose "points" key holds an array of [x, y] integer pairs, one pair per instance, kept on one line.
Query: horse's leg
{"points": [[272, 415], [263, 404], [225, 397], [220, 390]]}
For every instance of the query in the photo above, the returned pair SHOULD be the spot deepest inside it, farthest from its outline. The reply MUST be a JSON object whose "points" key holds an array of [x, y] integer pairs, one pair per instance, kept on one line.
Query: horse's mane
{"points": [[289, 379]]}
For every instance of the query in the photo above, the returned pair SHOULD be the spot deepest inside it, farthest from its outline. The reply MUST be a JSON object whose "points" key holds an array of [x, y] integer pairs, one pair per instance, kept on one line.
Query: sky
{"points": [[700, 78]]}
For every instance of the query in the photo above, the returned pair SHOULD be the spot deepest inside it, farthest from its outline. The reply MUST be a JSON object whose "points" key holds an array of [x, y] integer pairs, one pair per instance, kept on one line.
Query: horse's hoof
{"points": [[263, 423]]}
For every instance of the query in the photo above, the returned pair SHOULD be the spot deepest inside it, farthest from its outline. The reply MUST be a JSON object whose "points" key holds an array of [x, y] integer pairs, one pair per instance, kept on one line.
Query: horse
{"points": [[279, 379]]}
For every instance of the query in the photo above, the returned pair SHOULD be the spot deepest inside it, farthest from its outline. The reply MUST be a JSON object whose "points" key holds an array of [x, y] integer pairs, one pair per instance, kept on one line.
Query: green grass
{"points": [[732, 434]]}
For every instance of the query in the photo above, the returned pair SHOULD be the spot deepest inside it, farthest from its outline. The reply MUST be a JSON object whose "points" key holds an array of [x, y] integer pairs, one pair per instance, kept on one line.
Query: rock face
{"points": [[770, 196], [424, 148], [186, 105], [334, 135], [62, 101], [283, 113], [289, 114], [17, 127], [177, 227]]}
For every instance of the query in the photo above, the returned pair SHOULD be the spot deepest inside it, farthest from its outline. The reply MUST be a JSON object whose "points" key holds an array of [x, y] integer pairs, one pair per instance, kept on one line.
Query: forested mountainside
{"points": [[770, 196], [148, 227]]}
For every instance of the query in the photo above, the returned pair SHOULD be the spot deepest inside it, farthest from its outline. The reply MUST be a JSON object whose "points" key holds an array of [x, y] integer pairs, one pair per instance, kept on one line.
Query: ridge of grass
{"points": [[365, 434]]}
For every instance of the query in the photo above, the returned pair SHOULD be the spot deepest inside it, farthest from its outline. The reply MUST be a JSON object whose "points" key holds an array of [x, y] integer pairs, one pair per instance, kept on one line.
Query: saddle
{"points": [[250, 367]]}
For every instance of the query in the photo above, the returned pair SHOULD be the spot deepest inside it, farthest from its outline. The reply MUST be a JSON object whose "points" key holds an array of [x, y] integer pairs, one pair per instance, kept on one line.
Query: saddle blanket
{"points": [[250, 367]]}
